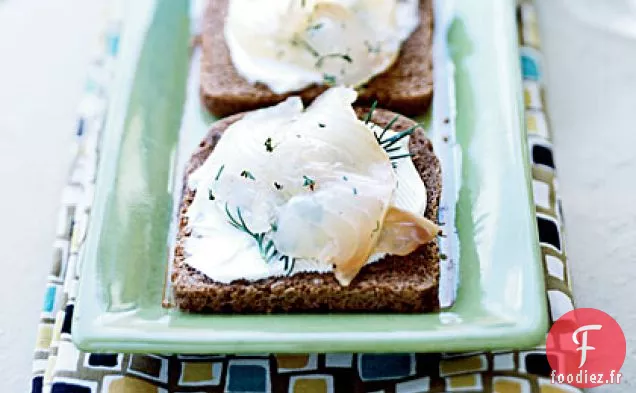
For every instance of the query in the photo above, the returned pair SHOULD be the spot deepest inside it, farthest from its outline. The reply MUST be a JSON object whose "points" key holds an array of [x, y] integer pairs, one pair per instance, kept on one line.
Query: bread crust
{"points": [[406, 87], [396, 284]]}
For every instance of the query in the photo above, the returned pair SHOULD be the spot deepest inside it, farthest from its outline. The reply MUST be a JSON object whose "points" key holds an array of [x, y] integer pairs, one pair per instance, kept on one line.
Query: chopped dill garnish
{"points": [[329, 79], [218, 174], [322, 58], [247, 175], [443, 256], [289, 264], [268, 145], [278, 186], [345, 178], [274, 226], [373, 48], [301, 42], [321, 125], [317, 26], [211, 195], [377, 227], [309, 183], [355, 191]]}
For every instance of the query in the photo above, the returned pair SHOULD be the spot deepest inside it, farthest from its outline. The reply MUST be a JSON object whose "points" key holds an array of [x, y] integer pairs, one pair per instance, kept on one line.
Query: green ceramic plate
{"points": [[500, 300]]}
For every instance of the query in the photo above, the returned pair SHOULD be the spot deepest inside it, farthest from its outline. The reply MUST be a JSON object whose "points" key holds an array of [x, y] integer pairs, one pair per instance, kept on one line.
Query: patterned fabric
{"points": [[59, 367]]}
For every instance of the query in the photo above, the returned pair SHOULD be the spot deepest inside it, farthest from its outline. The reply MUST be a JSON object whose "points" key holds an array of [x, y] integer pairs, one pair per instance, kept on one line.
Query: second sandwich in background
{"points": [[257, 53]]}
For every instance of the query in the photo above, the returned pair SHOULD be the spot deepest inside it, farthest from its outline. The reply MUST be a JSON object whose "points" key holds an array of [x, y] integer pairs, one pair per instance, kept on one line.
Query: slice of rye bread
{"points": [[407, 87], [394, 284]]}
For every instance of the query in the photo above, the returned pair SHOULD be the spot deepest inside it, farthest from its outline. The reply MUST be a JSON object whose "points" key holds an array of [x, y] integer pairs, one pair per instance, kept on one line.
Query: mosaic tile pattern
{"points": [[60, 368]]}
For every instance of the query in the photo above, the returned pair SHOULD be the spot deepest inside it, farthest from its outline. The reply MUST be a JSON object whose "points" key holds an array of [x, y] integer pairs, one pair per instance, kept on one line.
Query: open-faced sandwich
{"points": [[324, 208], [257, 53]]}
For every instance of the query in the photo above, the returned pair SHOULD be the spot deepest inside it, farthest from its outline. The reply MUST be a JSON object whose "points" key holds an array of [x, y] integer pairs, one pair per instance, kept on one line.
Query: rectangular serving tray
{"points": [[500, 299]]}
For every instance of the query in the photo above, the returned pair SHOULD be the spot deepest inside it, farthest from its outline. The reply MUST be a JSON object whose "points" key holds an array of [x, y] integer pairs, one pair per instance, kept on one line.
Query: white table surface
{"points": [[590, 48]]}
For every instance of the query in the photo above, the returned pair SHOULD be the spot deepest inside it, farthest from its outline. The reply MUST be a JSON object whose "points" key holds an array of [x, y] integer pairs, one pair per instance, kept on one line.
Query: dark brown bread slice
{"points": [[407, 87], [395, 284]]}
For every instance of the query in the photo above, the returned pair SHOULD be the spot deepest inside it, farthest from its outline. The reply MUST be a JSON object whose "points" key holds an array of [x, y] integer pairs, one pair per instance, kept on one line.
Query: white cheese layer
{"points": [[291, 44], [314, 180]]}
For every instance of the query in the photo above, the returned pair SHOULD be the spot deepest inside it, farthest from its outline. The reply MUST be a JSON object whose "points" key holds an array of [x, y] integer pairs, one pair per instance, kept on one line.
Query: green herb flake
{"points": [[330, 80], [278, 186], [345, 178], [321, 125], [377, 227], [321, 59], [301, 42], [355, 191], [247, 175], [317, 26], [218, 174], [308, 182], [211, 195], [268, 145]]}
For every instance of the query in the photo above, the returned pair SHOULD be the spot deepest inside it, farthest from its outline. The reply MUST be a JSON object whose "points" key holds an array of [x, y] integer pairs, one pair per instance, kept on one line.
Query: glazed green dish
{"points": [[500, 299]]}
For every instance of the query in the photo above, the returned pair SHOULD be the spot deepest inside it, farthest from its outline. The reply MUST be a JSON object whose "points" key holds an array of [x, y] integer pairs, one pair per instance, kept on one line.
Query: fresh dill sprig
{"points": [[367, 118], [386, 128], [322, 58], [266, 246], [388, 143]]}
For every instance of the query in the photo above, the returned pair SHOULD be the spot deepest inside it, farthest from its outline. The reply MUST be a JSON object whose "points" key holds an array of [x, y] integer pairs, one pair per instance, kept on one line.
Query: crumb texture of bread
{"points": [[406, 87], [406, 284]]}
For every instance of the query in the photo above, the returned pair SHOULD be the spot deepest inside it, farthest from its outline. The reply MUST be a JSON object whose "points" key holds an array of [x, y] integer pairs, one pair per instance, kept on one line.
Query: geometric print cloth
{"points": [[59, 367]]}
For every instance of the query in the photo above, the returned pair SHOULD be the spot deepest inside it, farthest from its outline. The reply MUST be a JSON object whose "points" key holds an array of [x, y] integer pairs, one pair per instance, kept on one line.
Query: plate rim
{"points": [[98, 335]]}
